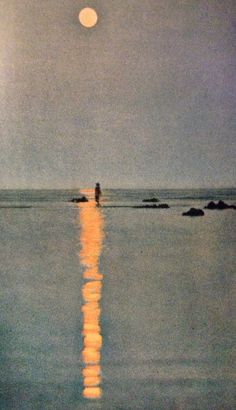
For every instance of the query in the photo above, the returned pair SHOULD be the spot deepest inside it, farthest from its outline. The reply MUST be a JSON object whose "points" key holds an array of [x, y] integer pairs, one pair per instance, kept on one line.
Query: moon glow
{"points": [[88, 17]]}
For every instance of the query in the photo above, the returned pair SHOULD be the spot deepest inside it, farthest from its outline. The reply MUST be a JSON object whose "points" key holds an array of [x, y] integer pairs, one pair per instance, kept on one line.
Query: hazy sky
{"points": [[147, 98]]}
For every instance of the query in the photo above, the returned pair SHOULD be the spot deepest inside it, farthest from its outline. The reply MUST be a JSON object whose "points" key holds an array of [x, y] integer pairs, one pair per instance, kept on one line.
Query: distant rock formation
{"points": [[221, 205], [194, 212], [151, 200], [145, 207], [82, 199], [161, 206]]}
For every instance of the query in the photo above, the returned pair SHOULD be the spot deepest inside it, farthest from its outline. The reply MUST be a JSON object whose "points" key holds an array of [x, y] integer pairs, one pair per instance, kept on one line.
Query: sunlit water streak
{"points": [[91, 237]]}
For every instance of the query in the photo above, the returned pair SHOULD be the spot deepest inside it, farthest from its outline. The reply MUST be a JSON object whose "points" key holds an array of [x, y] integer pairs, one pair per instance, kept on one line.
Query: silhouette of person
{"points": [[98, 193]]}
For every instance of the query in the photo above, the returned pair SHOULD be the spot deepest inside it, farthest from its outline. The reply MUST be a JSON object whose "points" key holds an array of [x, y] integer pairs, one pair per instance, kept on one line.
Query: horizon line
{"points": [[115, 188]]}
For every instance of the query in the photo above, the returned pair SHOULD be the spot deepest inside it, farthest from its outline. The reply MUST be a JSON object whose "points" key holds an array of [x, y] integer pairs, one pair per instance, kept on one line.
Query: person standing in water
{"points": [[98, 193]]}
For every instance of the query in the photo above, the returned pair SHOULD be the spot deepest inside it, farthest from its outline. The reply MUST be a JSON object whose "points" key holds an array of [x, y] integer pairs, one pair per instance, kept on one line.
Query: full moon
{"points": [[88, 17]]}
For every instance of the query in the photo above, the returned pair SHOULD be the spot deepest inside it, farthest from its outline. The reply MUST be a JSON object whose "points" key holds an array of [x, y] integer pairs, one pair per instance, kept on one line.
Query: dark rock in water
{"points": [[161, 206], [221, 205], [211, 205], [194, 212], [145, 206], [151, 200], [82, 199]]}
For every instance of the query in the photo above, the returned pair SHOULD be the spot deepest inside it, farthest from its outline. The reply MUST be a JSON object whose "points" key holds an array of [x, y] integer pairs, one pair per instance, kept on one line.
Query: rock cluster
{"points": [[211, 205], [221, 205]]}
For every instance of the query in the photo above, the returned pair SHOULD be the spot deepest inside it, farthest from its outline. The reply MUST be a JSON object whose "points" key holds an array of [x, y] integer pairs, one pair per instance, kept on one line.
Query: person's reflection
{"points": [[91, 236]]}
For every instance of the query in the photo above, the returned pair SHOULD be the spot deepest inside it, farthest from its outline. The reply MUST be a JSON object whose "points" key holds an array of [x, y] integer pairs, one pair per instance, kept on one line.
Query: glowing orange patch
{"points": [[92, 381], [93, 340], [92, 392], [91, 356], [91, 371]]}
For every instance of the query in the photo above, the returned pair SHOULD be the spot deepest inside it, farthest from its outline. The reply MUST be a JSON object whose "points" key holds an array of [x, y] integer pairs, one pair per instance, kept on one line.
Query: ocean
{"points": [[116, 307]]}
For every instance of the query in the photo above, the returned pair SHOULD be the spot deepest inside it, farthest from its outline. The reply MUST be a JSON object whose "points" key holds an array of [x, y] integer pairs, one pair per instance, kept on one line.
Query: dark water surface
{"points": [[158, 289]]}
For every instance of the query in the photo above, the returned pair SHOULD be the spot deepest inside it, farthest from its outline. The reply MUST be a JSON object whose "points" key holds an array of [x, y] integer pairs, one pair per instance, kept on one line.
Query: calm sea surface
{"points": [[116, 307]]}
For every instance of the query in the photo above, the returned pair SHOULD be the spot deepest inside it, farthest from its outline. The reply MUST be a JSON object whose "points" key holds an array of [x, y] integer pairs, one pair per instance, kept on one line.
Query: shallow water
{"points": [[164, 306]]}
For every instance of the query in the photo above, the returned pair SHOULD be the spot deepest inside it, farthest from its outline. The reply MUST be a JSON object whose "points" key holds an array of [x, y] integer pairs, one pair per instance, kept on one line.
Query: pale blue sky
{"points": [[147, 98]]}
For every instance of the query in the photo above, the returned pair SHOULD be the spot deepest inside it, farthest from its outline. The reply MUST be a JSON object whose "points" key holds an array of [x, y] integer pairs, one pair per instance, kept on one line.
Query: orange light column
{"points": [[91, 237]]}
